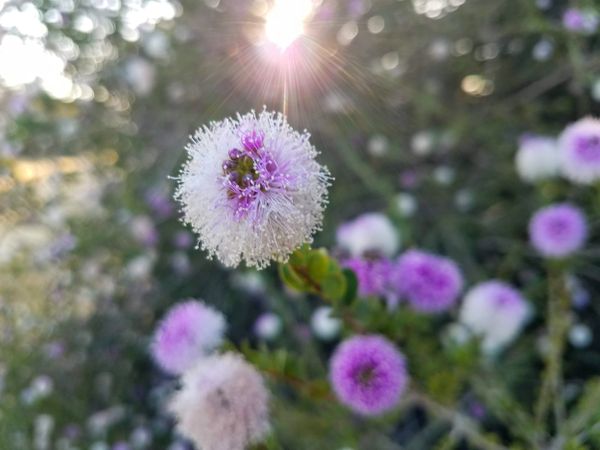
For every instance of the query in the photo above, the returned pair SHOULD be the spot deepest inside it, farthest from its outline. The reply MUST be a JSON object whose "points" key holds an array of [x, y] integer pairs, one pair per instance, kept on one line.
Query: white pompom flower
{"points": [[324, 325], [537, 158], [223, 404], [369, 233], [496, 312], [252, 189]]}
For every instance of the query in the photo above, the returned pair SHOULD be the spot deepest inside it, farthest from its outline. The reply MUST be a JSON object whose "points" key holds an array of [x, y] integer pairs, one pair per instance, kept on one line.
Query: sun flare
{"points": [[285, 21]]}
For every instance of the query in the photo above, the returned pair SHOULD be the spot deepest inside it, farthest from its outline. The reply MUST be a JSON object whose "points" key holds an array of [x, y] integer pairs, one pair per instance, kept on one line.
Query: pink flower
{"points": [[429, 282], [558, 230], [368, 374], [188, 332], [374, 276]]}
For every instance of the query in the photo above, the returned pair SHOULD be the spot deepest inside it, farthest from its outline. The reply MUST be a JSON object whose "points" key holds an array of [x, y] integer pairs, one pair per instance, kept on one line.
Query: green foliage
{"points": [[314, 271]]}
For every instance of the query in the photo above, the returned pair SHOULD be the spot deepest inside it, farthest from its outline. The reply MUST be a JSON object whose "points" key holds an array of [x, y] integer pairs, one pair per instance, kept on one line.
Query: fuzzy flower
{"points": [[368, 374], [579, 146], [558, 230], [581, 21], [222, 405], [252, 189], [537, 158], [268, 326], [374, 276], [188, 332], [324, 325], [370, 233], [496, 312], [429, 282]]}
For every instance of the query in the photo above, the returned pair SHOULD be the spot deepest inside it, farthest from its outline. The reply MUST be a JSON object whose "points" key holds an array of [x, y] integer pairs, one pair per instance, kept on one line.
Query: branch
{"points": [[462, 424]]}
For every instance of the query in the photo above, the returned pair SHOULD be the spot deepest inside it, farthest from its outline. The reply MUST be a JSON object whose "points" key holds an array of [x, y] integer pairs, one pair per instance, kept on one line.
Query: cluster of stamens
{"points": [[248, 171]]}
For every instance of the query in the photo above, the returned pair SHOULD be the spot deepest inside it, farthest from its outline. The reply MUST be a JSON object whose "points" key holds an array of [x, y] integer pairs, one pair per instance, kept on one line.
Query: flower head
{"points": [[579, 146], [429, 282], [324, 325], [252, 189], [368, 374], [369, 233], [223, 404], [495, 311], [558, 230], [268, 326], [188, 332], [537, 158], [580, 21], [374, 276]]}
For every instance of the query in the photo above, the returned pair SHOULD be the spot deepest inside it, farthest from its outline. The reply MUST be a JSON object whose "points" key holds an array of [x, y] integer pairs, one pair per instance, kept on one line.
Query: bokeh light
{"points": [[285, 21]]}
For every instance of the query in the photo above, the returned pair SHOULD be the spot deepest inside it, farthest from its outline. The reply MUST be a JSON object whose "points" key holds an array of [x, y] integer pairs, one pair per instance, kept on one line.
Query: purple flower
{"points": [[268, 326], [252, 189], [144, 231], [368, 374], [429, 282], [558, 230], [496, 312], [187, 333], [580, 21], [159, 203], [579, 146], [374, 276], [409, 179], [183, 240]]}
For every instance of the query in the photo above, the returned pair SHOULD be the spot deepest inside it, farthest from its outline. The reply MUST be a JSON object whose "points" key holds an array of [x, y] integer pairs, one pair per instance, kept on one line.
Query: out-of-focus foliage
{"points": [[416, 106]]}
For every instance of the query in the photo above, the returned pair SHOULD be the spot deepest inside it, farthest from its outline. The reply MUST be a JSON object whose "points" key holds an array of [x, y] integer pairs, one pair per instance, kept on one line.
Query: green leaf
{"points": [[289, 276], [351, 286], [299, 257], [318, 265], [334, 286]]}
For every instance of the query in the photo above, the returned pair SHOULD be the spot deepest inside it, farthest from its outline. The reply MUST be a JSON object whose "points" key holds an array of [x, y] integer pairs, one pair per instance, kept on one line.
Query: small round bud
{"points": [[234, 153], [271, 166], [228, 165]]}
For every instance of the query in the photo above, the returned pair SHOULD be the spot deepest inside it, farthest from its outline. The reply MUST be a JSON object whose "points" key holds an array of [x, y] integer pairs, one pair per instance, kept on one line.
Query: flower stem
{"points": [[558, 320]]}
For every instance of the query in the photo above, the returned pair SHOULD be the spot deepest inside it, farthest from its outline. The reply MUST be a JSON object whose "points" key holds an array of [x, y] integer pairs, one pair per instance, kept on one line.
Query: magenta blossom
{"points": [[374, 276], [580, 21], [188, 332], [429, 282], [368, 374], [557, 231]]}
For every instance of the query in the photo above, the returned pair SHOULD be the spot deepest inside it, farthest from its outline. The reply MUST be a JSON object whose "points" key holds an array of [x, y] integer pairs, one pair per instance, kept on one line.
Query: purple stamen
{"points": [[228, 165], [234, 153], [271, 166], [253, 141], [250, 173]]}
